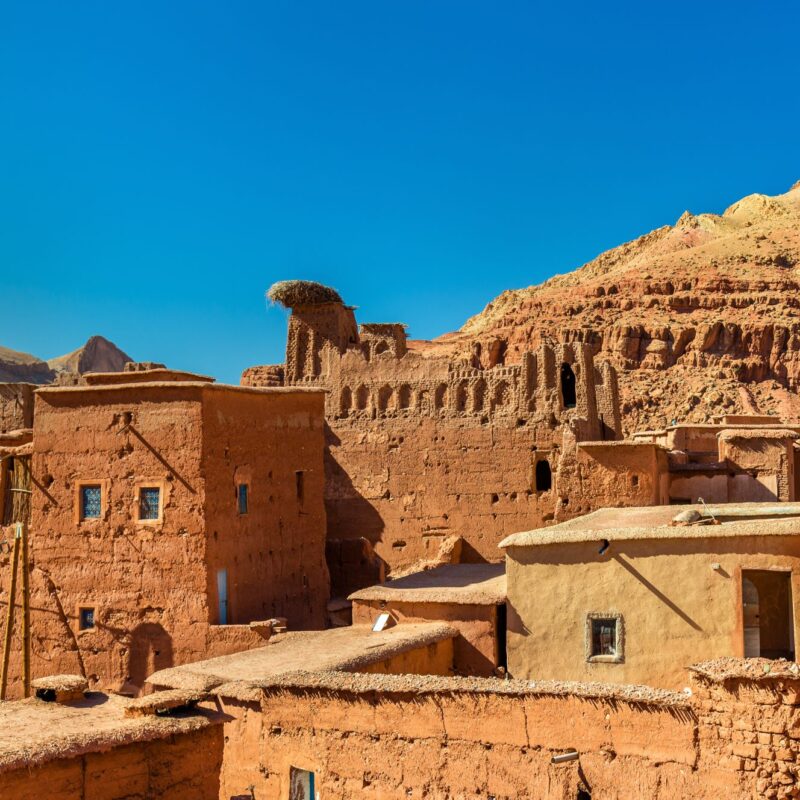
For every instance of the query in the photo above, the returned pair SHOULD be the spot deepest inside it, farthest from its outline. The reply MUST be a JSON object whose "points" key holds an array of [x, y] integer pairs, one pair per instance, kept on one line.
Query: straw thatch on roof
{"points": [[62, 683], [161, 702], [291, 294]]}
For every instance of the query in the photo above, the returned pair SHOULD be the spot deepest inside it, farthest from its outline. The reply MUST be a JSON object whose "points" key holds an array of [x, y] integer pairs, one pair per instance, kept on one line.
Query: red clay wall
{"points": [[737, 739], [16, 406], [153, 584], [186, 766], [275, 553], [395, 745], [146, 581], [474, 650]]}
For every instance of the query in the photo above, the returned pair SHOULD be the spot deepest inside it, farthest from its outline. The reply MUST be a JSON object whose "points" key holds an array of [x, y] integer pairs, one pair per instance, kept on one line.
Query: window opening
{"points": [[544, 477], [149, 502], [301, 784], [85, 619], [91, 502], [568, 395], [604, 637], [241, 491]]}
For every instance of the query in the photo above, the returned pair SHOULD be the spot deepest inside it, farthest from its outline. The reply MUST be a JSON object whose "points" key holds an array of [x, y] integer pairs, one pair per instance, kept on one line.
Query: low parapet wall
{"points": [[406, 736], [410, 736]]}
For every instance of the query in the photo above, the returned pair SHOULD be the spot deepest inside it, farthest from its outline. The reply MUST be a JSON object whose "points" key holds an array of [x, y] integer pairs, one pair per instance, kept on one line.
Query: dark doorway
{"points": [[568, 386], [767, 614], [501, 621], [544, 477]]}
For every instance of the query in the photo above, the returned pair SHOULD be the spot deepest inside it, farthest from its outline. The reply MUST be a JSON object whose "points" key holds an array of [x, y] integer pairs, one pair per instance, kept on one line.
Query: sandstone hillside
{"points": [[700, 317], [97, 355]]}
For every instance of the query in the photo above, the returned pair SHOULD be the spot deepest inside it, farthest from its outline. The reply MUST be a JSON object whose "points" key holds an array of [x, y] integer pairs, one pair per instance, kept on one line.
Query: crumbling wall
{"points": [[400, 741], [422, 448], [16, 406], [405, 736], [749, 731], [185, 766]]}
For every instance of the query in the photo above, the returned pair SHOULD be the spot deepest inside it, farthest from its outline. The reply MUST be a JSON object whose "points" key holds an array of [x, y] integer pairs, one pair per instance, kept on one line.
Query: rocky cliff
{"points": [[97, 355], [700, 317]]}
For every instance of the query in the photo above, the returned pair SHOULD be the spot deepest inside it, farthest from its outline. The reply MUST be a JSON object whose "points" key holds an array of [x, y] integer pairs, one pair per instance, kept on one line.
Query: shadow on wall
{"points": [[150, 651]]}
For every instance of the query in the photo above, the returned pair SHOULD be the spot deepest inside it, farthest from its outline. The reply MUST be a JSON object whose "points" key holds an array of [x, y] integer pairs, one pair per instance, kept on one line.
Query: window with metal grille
{"points": [[85, 619], [242, 496], [91, 502], [604, 637], [149, 502]]}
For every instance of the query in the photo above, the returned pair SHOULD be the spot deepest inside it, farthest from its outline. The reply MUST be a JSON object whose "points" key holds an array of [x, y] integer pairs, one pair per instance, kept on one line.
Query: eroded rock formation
{"points": [[699, 317]]}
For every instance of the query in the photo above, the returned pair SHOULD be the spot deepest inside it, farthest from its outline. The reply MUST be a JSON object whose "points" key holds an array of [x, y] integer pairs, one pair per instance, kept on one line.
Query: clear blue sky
{"points": [[162, 163]]}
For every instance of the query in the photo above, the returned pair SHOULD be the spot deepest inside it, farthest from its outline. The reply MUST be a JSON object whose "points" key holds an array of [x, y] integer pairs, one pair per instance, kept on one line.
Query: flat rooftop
{"points": [[656, 522], [33, 732], [462, 584], [337, 649]]}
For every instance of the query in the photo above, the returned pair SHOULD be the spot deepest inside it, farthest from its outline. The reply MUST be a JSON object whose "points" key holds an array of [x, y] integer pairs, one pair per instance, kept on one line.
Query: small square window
{"points": [[241, 492], [149, 502], [604, 638], [85, 619], [91, 502]]}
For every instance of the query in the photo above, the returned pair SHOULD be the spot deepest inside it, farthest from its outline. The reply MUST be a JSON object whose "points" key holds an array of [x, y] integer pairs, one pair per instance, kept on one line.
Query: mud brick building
{"points": [[635, 595], [423, 448], [168, 513]]}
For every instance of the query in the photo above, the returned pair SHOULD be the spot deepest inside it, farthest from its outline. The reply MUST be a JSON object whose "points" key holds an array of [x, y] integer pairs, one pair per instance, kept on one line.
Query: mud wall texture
{"points": [[736, 739], [421, 448], [186, 766], [153, 585], [394, 746], [475, 650], [16, 406], [274, 553], [674, 598]]}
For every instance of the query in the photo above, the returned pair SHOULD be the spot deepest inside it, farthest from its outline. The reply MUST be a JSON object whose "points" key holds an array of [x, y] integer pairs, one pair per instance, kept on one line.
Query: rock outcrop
{"points": [[97, 355], [700, 317]]}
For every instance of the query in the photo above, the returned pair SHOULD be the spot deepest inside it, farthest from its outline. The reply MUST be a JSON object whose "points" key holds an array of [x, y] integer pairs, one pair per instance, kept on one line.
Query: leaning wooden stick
{"points": [[12, 597]]}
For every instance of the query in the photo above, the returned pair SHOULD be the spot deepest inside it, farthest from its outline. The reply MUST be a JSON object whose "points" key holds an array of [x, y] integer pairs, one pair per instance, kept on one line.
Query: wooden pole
{"points": [[12, 598], [26, 610]]}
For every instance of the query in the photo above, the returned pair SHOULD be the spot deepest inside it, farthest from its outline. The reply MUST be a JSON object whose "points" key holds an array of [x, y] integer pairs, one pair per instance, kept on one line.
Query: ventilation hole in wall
{"points": [[495, 498], [399, 544]]}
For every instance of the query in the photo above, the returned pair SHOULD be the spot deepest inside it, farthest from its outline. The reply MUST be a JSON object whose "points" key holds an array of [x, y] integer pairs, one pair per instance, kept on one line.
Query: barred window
{"points": [[149, 502], [604, 637], [85, 619], [91, 502]]}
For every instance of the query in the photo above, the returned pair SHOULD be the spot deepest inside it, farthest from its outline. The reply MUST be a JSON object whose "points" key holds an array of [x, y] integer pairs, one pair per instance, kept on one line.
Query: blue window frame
{"points": [[91, 502], [149, 502], [85, 619], [241, 493]]}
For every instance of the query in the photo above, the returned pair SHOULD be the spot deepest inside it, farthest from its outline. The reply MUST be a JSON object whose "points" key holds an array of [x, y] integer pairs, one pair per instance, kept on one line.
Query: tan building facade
{"points": [[625, 596]]}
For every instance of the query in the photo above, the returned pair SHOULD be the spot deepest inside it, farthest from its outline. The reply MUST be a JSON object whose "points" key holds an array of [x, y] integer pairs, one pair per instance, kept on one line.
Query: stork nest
{"points": [[291, 294]]}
